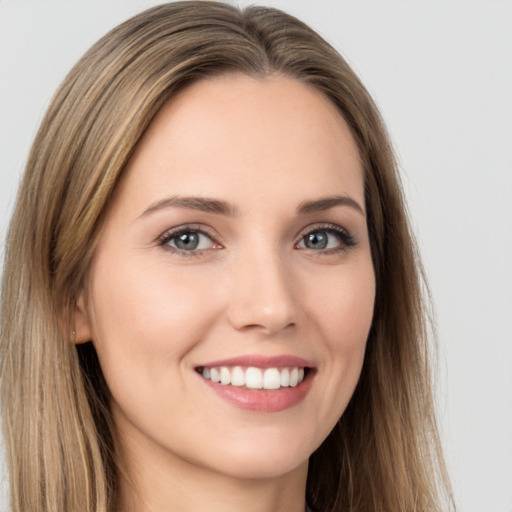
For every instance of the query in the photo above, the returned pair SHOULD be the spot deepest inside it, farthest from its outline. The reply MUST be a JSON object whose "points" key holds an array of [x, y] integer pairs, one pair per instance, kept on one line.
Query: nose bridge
{"points": [[262, 292]]}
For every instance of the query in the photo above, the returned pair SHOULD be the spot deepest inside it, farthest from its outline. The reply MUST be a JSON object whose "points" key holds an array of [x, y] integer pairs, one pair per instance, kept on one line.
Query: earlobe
{"points": [[82, 332]]}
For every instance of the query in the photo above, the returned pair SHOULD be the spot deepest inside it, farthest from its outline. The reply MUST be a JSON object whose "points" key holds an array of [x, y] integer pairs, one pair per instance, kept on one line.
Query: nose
{"points": [[263, 296]]}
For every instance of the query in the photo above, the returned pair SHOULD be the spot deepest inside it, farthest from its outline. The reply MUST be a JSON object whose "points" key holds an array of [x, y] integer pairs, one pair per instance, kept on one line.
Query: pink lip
{"points": [[262, 400], [260, 361]]}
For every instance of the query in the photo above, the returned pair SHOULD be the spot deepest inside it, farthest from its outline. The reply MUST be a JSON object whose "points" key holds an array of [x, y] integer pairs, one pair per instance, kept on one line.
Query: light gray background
{"points": [[441, 72]]}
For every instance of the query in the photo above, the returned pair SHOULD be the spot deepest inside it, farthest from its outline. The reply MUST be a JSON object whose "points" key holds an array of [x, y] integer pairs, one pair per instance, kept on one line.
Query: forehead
{"points": [[223, 135]]}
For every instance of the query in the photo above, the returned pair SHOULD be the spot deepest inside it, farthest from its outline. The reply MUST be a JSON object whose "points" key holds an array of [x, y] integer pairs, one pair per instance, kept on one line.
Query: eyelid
{"points": [[167, 235], [347, 240]]}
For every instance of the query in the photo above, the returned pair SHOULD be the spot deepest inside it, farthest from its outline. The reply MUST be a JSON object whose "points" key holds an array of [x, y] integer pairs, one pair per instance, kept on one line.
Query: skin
{"points": [[254, 286]]}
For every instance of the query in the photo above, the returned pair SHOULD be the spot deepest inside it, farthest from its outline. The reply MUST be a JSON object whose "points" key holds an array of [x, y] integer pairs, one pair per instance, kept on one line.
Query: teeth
{"points": [[285, 378], [225, 376], [271, 379], [237, 376], [214, 375], [294, 377], [255, 378]]}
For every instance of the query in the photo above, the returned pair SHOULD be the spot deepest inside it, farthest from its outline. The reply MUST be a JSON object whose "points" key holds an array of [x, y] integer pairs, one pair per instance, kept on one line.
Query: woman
{"points": [[211, 294]]}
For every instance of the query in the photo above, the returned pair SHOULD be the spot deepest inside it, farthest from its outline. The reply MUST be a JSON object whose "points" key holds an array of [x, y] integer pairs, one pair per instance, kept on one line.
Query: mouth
{"points": [[253, 377], [259, 384]]}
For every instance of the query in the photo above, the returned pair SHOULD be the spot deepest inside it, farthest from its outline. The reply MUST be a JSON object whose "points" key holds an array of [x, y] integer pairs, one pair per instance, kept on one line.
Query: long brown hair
{"points": [[383, 455]]}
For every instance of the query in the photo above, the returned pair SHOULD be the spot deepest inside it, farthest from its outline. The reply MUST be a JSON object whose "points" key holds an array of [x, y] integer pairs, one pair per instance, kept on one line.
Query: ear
{"points": [[81, 322]]}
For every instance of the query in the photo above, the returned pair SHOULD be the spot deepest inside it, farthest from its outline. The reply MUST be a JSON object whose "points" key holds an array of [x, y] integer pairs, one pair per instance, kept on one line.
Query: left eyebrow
{"points": [[326, 203]]}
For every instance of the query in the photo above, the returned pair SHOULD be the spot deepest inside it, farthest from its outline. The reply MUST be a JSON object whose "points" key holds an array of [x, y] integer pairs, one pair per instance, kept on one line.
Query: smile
{"points": [[253, 377], [259, 383]]}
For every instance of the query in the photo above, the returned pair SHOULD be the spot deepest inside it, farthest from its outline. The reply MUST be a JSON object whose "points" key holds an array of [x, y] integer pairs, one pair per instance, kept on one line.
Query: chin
{"points": [[264, 459], [260, 468]]}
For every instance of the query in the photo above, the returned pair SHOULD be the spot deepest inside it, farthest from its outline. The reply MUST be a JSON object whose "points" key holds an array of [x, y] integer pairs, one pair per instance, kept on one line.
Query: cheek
{"points": [[143, 314], [341, 304], [344, 306], [146, 320]]}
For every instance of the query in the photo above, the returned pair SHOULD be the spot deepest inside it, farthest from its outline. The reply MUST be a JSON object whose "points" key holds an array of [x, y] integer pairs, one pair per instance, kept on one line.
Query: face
{"points": [[232, 288]]}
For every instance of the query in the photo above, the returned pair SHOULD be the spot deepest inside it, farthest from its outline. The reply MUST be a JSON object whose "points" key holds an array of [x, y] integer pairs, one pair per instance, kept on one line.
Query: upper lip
{"points": [[262, 361]]}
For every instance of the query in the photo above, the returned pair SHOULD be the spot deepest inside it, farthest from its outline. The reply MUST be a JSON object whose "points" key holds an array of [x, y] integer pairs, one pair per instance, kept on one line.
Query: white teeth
{"points": [[255, 378], [214, 375], [294, 377], [225, 376], [271, 379], [285, 378], [237, 376]]}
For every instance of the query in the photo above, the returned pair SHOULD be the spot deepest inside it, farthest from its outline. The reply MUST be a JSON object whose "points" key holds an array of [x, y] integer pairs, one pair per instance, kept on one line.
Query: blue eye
{"points": [[322, 239], [188, 241]]}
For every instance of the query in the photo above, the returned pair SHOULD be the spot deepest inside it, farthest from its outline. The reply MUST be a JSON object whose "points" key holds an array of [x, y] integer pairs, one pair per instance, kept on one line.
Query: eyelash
{"points": [[164, 240], [346, 240]]}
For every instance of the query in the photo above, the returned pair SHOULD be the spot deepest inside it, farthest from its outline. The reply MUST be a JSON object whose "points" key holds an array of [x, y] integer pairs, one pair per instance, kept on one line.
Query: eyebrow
{"points": [[327, 203], [219, 207], [203, 204]]}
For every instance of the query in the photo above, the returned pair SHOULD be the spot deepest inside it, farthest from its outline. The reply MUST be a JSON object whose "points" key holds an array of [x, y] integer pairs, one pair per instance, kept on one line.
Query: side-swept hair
{"points": [[384, 453]]}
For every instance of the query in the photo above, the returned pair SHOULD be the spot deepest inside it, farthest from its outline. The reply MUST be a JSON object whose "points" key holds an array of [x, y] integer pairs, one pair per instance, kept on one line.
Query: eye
{"points": [[188, 241], [328, 238]]}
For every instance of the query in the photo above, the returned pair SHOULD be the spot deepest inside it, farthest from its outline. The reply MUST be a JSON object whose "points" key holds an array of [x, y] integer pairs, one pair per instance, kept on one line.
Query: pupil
{"points": [[188, 241], [317, 240]]}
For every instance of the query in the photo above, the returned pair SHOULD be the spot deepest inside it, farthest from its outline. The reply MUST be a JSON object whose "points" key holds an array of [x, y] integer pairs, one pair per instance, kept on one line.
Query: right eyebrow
{"points": [[326, 203], [203, 204]]}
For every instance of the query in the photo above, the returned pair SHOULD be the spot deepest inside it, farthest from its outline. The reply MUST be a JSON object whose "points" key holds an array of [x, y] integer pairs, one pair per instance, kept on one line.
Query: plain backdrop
{"points": [[441, 73]]}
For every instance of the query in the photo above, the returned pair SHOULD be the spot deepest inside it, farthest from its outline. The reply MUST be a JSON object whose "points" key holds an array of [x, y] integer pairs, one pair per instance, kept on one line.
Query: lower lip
{"points": [[262, 400]]}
